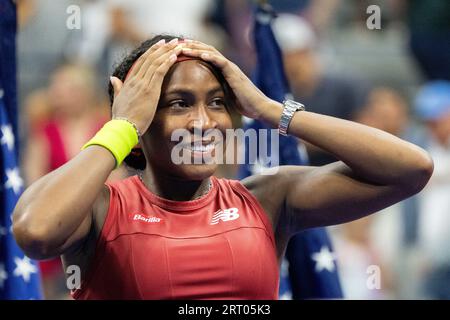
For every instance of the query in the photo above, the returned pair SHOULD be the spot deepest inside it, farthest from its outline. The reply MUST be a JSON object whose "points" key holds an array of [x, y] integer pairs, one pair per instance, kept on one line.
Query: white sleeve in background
{"points": [[96, 31], [434, 214], [178, 17]]}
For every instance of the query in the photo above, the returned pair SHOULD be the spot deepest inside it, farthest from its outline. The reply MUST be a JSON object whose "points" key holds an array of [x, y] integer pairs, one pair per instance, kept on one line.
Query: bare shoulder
{"points": [[270, 181], [270, 188], [82, 253]]}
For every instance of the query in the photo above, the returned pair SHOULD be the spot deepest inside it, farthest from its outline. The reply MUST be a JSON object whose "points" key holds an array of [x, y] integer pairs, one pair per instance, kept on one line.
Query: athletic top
{"points": [[220, 246]]}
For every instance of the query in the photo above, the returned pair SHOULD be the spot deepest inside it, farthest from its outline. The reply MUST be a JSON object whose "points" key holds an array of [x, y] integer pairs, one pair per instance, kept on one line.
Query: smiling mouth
{"points": [[200, 147]]}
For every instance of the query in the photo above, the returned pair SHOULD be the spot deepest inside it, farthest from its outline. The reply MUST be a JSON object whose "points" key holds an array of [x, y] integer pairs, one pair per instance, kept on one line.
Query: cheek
{"points": [[224, 121], [163, 125], [158, 135]]}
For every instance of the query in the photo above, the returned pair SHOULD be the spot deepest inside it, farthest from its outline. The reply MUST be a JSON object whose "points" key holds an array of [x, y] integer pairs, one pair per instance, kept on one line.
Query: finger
{"points": [[193, 44], [161, 71], [138, 63], [215, 58], [117, 85], [154, 55], [161, 59]]}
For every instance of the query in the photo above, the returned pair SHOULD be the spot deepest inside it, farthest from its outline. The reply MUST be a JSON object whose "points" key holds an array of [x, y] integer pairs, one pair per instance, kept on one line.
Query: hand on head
{"points": [[142, 86], [143, 82], [250, 99]]}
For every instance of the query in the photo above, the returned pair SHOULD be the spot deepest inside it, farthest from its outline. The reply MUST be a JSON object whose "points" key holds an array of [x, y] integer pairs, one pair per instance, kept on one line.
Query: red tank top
{"points": [[220, 246]]}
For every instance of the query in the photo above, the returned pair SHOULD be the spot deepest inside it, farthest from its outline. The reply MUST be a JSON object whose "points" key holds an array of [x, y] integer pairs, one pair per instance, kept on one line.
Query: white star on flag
{"points": [[7, 136], [284, 270], [285, 296], [24, 268], [324, 259], [3, 231], [14, 180], [258, 167], [3, 275], [261, 168]]}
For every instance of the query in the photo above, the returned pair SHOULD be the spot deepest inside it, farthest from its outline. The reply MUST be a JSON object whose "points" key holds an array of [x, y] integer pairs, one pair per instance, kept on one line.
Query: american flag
{"points": [[309, 270], [18, 274]]}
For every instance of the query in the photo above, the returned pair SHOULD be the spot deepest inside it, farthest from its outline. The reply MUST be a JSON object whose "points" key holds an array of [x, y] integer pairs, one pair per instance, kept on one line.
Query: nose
{"points": [[201, 119]]}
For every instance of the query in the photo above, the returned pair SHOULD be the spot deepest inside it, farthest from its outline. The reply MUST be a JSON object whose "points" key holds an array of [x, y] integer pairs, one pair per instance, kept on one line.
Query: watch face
{"points": [[294, 105]]}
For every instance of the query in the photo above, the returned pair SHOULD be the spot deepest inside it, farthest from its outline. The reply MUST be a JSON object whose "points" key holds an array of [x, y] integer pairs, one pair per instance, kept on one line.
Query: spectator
{"points": [[432, 105], [329, 94], [375, 243], [58, 132]]}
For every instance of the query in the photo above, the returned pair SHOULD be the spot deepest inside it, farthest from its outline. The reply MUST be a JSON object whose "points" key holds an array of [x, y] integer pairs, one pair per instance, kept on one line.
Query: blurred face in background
{"points": [[440, 129], [385, 110], [71, 90]]}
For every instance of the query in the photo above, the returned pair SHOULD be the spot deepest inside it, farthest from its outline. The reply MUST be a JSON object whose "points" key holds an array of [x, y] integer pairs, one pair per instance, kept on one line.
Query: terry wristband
{"points": [[119, 136]]}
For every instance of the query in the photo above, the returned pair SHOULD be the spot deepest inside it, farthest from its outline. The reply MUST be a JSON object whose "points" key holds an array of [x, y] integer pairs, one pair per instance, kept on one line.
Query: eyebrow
{"points": [[184, 91]]}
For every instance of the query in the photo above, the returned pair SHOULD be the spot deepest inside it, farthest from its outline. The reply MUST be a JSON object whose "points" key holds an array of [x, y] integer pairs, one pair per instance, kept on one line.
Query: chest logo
{"points": [[225, 215], [146, 219]]}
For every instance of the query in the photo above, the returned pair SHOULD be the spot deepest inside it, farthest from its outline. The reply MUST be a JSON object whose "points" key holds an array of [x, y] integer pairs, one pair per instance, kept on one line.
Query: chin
{"points": [[194, 171]]}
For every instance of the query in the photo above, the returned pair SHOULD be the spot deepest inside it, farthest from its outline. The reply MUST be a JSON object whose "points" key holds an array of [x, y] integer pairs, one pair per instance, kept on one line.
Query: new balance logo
{"points": [[225, 215], [146, 218]]}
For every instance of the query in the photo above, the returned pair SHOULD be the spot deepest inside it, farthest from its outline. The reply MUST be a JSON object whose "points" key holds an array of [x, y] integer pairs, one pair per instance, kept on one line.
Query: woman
{"points": [[176, 231], [68, 115]]}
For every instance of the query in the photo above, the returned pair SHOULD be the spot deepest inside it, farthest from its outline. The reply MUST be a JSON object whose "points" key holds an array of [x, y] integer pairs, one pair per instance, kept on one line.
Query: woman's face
{"points": [[192, 102], [69, 92]]}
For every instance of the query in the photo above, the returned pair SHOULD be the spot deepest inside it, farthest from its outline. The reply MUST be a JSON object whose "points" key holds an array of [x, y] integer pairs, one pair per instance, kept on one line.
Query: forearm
{"points": [[372, 154], [53, 207]]}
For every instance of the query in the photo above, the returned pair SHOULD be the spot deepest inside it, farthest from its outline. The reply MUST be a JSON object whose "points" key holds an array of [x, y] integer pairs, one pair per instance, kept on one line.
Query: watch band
{"points": [[289, 108]]}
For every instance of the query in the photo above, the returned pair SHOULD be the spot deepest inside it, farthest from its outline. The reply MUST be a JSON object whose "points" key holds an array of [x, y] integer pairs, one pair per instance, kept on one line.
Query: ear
{"points": [[136, 159], [137, 150]]}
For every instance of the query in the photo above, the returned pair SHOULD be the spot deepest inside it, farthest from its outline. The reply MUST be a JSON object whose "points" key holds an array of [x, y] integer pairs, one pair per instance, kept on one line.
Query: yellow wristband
{"points": [[118, 136]]}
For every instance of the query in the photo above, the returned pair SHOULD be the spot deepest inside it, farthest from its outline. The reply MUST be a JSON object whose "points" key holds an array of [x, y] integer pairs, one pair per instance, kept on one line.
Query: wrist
{"points": [[271, 112], [138, 131], [118, 136]]}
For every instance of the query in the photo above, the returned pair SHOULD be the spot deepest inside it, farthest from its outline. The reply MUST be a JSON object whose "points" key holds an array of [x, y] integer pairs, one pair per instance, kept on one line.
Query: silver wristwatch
{"points": [[289, 108]]}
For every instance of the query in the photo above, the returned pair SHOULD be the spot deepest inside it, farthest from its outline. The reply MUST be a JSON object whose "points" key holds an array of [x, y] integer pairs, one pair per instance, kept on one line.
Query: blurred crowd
{"points": [[396, 78]]}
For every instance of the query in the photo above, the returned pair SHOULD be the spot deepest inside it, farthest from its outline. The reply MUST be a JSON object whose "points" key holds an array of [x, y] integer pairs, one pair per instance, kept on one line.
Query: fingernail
{"points": [[173, 41], [188, 40], [111, 79], [173, 57], [160, 42], [205, 55]]}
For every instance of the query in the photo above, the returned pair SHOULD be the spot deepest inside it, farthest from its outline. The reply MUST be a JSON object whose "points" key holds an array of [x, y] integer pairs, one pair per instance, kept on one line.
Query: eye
{"points": [[178, 104], [217, 103]]}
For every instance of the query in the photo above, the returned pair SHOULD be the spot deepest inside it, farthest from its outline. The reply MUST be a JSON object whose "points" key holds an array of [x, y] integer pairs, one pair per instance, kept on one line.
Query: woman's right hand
{"points": [[137, 98]]}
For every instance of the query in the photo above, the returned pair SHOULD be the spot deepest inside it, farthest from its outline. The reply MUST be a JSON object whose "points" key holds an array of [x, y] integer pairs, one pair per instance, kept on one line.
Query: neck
{"points": [[174, 188]]}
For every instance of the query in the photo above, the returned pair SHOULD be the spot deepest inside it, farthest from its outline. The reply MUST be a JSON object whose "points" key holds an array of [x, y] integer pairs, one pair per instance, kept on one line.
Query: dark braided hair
{"points": [[136, 158]]}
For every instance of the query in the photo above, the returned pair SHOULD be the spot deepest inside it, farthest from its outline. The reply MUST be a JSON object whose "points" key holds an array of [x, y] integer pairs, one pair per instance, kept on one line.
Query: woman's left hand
{"points": [[250, 100]]}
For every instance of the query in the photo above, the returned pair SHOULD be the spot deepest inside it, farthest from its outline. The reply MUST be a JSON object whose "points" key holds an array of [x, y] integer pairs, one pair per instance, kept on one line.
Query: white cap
{"points": [[293, 33]]}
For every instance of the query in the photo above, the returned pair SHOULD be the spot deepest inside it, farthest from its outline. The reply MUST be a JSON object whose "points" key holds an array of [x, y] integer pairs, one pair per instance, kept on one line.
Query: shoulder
{"points": [[112, 193], [122, 185], [271, 180], [270, 187]]}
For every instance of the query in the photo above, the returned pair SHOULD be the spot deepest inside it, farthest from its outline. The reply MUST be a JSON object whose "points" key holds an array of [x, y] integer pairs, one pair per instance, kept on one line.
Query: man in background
{"points": [[336, 95]]}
